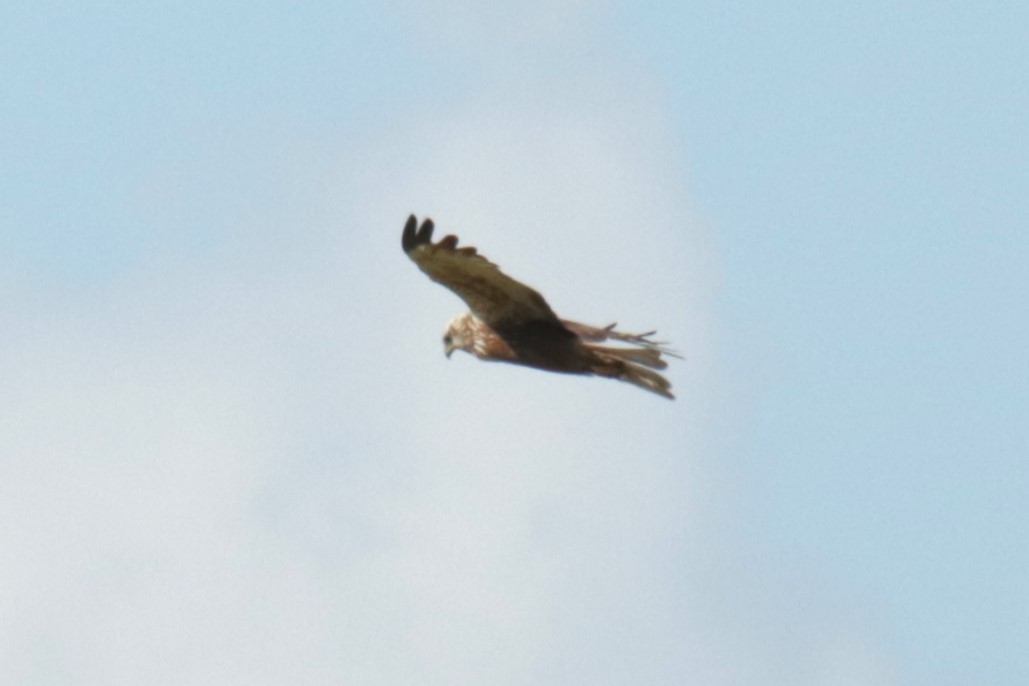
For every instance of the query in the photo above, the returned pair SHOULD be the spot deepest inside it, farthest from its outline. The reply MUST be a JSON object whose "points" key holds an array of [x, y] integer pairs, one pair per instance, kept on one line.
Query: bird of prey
{"points": [[510, 322]]}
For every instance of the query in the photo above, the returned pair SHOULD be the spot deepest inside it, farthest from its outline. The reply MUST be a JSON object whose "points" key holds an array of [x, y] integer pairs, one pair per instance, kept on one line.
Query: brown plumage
{"points": [[510, 322]]}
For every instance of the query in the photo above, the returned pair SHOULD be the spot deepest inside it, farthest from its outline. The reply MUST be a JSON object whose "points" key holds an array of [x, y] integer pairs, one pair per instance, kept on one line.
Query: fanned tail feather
{"points": [[648, 357], [627, 364], [647, 380]]}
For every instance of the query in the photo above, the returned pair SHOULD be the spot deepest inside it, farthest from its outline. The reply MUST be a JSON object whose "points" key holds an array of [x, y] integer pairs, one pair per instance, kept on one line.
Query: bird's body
{"points": [[537, 344], [510, 322]]}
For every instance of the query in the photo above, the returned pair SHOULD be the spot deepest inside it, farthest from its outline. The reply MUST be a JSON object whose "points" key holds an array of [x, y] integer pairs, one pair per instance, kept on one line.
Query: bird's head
{"points": [[458, 334]]}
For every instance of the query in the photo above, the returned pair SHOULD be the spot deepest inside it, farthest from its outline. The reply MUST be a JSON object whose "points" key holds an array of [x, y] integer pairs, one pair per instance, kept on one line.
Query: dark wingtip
{"points": [[425, 232], [414, 236], [408, 239]]}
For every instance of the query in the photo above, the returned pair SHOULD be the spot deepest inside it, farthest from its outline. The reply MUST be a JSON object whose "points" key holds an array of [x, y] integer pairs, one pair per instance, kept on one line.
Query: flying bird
{"points": [[510, 322]]}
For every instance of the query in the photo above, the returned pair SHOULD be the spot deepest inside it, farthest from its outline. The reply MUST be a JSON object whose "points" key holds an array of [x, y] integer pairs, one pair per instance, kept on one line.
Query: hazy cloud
{"points": [[250, 462]]}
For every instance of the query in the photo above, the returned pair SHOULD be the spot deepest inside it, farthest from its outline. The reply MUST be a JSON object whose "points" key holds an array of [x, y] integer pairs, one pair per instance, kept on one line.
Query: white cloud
{"points": [[265, 471], [248, 476]]}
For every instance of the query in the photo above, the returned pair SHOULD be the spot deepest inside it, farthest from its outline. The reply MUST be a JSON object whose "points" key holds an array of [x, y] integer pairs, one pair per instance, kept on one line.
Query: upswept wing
{"points": [[492, 296]]}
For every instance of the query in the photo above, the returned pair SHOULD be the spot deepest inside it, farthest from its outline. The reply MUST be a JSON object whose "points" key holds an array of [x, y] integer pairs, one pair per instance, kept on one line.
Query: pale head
{"points": [[458, 335]]}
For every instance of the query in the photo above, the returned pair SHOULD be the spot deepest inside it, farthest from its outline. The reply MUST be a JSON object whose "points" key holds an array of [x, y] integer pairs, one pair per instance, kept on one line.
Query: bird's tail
{"points": [[632, 365]]}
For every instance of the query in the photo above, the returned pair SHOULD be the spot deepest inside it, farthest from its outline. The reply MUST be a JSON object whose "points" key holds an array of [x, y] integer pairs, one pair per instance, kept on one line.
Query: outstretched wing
{"points": [[599, 334], [492, 296], [647, 352]]}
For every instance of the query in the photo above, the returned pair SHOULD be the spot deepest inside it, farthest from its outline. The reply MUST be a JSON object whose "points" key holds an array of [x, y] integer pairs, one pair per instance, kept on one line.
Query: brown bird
{"points": [[510, 322]]}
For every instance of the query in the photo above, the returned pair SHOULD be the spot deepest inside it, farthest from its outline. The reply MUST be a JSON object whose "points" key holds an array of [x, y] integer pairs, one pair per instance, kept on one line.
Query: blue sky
{"points": [[231, 450]]}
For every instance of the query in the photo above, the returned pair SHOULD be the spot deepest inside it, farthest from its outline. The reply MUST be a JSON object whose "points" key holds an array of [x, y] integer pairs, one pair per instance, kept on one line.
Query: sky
{"points": [[231, 448]]}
